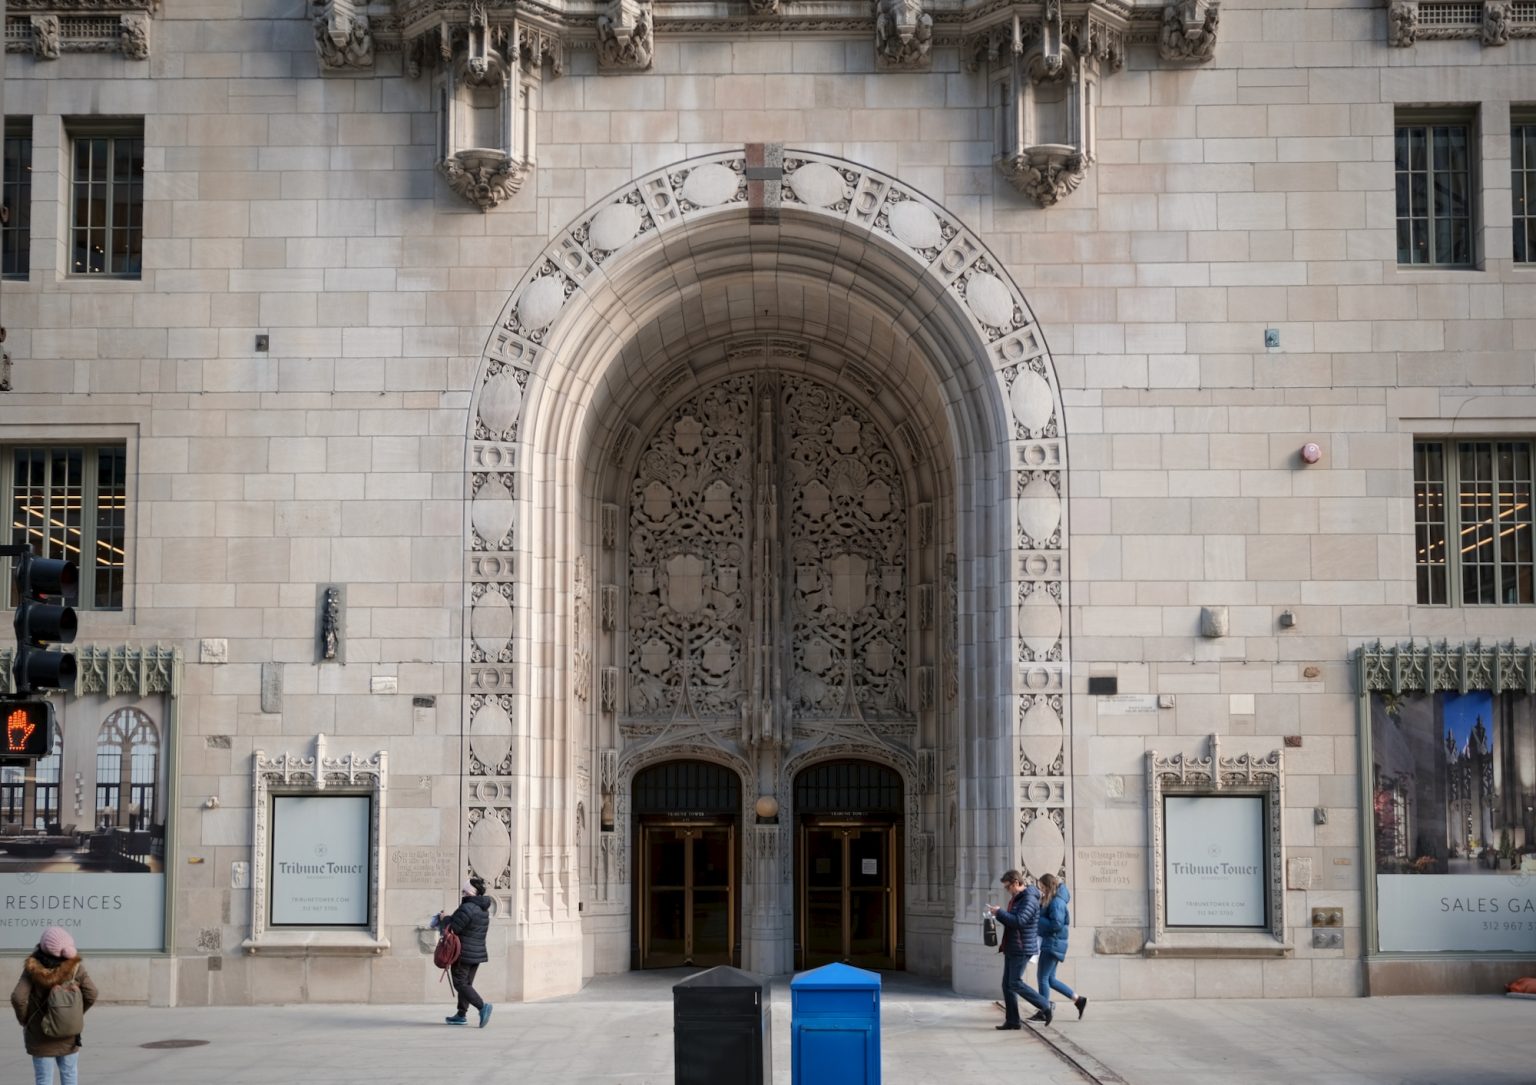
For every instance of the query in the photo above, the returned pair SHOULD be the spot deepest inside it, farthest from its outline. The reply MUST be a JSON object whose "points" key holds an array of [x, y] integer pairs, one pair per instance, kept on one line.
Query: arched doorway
{"points": [[848, 858], [689, 871], [692, 275]]}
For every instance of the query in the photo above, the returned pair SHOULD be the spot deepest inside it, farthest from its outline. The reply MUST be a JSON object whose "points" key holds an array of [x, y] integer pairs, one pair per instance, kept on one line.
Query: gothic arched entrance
{"points": [[916, 620]]}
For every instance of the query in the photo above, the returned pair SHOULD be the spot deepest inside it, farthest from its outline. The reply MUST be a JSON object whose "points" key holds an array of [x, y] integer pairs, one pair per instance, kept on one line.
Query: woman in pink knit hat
{"points": [[54, 963]]}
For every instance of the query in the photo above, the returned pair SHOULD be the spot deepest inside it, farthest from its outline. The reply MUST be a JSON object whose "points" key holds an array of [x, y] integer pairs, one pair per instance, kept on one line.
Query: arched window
{"points": [[46, 816], [127, 770]]}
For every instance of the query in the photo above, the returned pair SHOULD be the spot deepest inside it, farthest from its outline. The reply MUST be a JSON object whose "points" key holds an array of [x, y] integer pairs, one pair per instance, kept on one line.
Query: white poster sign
{"points": [[1430, 912], [101, 911], [1213, 857], [321, 851]]}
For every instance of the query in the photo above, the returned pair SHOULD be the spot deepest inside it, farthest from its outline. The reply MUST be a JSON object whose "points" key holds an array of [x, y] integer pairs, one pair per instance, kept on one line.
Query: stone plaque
{"points": [[1128, 704], [1111, 868], [1298, 873], [422, 868]]}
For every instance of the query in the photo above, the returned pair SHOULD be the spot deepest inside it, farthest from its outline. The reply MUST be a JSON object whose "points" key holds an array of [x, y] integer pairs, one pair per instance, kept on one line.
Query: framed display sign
{"points": [[1217, 854], [317, 872], [1214, 860], [321, 860]]}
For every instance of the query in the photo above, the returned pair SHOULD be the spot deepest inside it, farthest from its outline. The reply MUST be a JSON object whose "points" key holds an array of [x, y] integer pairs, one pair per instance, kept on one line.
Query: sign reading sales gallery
{"points": [[321, 847], [1214, 865]]}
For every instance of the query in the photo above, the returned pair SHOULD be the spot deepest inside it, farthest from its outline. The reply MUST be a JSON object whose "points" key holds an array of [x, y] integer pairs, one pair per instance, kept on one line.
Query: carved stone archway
{"points": [[650, 291]]}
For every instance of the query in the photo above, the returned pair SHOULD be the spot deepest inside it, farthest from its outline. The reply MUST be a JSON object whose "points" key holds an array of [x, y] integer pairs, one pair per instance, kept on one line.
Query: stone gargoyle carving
{"points": [[624, 39], [484, 177], [1189, 30], [903, 35], [1402, 23], [47, 40], [1044, 174], [343, 38]]}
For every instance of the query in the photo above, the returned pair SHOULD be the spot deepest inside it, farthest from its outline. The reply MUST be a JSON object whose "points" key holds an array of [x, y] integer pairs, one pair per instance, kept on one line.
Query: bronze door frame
{"points": [[644, 888], [847, 830]]}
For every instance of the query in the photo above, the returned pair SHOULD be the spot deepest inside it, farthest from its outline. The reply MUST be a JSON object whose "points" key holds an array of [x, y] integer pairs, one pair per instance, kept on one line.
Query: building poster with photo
{"points": [[82, 830], [1454, 821], [1214, 861], [321, 860]]}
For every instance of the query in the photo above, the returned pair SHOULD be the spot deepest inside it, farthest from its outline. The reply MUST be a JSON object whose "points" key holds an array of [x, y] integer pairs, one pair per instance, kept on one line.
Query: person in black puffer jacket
{"points": [[471, 922]]}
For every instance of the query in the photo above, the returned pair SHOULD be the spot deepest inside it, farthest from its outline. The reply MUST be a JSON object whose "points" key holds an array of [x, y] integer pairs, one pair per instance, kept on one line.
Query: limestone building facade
{"points": [[738, 477]]}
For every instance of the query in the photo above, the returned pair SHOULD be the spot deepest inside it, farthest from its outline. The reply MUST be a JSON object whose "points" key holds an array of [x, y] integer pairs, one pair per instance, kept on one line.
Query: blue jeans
{"points": [[1045, 976], [1014, 986], [42, 1069]]}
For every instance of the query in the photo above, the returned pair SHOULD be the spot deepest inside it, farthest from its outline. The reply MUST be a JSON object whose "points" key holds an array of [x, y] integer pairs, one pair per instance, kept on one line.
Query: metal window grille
{"points": [[16, 195], [1434, 194], [848, 787], [107, 212], [71, 502], [687, 787], [1457, 14]]}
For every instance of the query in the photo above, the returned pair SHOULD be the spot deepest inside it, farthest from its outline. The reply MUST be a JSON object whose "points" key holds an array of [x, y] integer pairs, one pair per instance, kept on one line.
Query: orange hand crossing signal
{"points": [[18, 729], [28, 730]]}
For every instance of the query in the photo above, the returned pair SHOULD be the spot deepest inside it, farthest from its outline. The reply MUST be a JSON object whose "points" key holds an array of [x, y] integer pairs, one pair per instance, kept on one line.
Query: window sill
{"points": [[1218, 944], [315, 944]]}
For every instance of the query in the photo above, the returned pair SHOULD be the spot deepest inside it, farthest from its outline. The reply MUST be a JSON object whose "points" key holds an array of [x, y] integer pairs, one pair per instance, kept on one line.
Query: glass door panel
{"points": [[847, 899], [687, 895], [869, 894]]}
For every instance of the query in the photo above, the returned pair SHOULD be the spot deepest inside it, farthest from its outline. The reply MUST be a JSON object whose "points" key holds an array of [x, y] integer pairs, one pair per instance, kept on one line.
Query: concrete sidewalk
{"points": [[619, 1032]]}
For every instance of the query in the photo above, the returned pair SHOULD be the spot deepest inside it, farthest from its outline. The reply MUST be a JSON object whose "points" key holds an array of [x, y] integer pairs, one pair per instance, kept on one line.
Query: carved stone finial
{"points": [[46, 39], [1189, 30], [343, 37], [1496, 22], [484, 177], [535, 46], [133, 35], [1402, 23], [903, 35], [1044, 174], [624, 36]]}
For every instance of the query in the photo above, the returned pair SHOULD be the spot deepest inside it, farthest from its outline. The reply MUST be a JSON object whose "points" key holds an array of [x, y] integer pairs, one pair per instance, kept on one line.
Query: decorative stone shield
{"points": [[685, 583], [816, 499], [490, 847], [1043, 847], [850, 582], [490, 735], [492, 512]]}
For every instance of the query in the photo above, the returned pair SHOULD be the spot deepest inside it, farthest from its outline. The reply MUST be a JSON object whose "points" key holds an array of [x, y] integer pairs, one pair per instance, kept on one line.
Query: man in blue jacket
{"points": [[1021, 941]]}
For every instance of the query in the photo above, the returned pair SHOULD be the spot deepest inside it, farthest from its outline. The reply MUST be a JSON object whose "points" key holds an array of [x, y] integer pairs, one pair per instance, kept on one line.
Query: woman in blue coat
{"points": [[1055, 921]]}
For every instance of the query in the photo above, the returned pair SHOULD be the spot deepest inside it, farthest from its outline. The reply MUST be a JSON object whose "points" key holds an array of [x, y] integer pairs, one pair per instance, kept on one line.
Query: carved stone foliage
{"points": [[111, 670], [1189, 30], [704, 562], [1411, 667], [624, 40], [47, 30], [1402, 23], [688, 553], [903, 35], [847, 535]]}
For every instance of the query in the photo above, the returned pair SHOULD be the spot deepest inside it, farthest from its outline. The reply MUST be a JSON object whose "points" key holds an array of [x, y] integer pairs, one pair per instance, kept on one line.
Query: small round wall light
{"points": [[1311, 452]]}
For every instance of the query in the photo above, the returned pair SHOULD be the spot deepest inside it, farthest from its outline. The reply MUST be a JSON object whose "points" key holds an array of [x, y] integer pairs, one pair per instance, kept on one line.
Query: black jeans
{"points": [[1014, 986], [463, 976]]}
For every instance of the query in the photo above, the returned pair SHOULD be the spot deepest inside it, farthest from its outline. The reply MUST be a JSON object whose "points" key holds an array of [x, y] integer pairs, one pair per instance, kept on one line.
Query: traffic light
{"points": [[26, 729], [42, 619]]}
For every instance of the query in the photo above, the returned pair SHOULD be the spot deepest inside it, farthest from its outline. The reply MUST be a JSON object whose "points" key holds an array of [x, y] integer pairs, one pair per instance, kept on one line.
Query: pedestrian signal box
{"points": [[28, 729]]}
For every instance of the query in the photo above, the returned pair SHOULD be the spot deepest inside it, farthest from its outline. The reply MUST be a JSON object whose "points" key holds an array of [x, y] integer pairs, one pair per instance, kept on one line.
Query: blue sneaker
{"points": [[485, 1014], [456, 1019]]}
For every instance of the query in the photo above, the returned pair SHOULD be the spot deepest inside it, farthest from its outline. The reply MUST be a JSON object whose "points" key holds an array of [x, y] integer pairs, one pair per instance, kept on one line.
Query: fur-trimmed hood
{"points": [[45, 975]]}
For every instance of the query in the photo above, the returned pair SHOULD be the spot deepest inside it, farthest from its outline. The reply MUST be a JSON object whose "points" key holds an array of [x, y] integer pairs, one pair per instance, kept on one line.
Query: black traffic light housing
{"points": [[26, 730], [43, 619]]}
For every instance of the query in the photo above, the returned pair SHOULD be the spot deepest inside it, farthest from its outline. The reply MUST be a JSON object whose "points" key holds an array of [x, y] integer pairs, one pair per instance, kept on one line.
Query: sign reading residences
{"points": [[1214, 861], [320, 857]]}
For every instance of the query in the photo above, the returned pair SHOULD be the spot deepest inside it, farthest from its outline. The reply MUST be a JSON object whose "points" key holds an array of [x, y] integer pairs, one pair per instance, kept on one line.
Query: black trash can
{"points": [[720, 1029]]}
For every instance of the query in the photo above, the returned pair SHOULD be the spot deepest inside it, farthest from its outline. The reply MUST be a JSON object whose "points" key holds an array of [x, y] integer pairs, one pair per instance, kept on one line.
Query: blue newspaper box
{"points": [[834, 1025]]}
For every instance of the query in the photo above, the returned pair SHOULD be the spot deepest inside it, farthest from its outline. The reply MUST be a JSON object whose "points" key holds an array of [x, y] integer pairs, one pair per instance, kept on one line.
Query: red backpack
{"points": [[446, 955]]}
